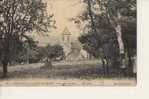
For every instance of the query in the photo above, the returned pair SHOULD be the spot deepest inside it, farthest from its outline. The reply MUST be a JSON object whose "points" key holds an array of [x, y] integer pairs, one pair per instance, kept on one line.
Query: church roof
{"points": [[66, 31]]}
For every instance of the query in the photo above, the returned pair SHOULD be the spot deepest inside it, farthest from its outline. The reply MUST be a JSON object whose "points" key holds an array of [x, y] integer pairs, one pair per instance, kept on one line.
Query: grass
{"points": [[70, 71]]}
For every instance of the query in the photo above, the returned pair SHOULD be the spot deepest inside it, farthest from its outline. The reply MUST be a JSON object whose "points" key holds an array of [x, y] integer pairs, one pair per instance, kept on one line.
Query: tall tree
{"points": [[17, 19], [117, 11], [99, 35], [110, 22]]}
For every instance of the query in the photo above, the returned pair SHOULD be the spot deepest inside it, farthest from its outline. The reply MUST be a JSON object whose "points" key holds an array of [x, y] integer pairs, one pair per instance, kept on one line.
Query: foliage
{"points": [[32, 53], [54, 51], [111, 23], [17, 19], [28, 54]]}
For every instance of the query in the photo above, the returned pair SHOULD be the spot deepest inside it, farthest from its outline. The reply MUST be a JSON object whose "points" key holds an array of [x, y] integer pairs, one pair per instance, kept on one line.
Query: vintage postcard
{"points": [[68, 43]]}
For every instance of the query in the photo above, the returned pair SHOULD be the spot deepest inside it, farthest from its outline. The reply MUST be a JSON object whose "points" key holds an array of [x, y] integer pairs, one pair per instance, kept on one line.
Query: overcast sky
{"points": [[63, 11]]}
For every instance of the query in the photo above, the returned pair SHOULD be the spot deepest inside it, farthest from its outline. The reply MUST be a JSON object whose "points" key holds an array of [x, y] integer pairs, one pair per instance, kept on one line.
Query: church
{"points": [[72, 48]]}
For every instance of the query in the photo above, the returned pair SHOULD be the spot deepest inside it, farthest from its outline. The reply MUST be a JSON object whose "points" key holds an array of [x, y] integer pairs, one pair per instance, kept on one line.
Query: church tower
{"points": [[66, 40], [72, 49], [66, 35]]}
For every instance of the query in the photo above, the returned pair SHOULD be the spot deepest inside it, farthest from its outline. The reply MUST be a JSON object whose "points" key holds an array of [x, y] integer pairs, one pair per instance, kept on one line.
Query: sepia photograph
{"points": [[68, 43]]}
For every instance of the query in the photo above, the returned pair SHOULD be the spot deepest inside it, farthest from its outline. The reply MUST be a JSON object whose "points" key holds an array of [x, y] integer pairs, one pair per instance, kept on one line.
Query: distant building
{"points": [[66, 41], [73, 50]]}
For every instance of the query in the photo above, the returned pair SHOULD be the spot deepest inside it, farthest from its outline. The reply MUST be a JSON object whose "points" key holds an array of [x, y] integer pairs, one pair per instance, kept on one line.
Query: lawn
{"points": [[82, 73]]}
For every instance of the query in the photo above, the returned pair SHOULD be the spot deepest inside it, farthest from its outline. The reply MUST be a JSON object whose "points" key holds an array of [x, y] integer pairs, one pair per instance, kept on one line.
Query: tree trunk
{"points": [[5, 68], [103, 66], [48, 64], [121, 45], [107, 69], [130, 64], [118, 30]]}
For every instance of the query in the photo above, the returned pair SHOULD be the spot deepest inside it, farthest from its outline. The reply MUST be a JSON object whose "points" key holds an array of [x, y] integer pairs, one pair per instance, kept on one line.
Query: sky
{"points": [[63, 11]]}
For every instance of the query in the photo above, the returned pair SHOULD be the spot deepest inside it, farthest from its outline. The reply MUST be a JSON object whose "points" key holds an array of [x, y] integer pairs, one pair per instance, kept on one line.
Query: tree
{"points": [[17, 19], [108, 23], [51, 53], [102, 46], [118, 11], [130, 39], [100, 36], [28, 53]]}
